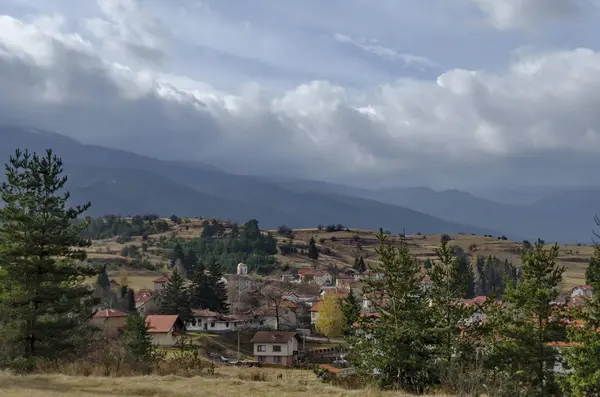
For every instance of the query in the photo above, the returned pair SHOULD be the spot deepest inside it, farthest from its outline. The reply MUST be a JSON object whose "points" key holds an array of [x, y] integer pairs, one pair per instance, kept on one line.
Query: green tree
{"points": [[466, 276], [137, 340], [175, 299], [396, 342], [530, 322], [131, 301], [218, 300], [41, 255], [190, 261], [102, 280], [359, 264], [201, 290], [350, 307], [427, 264], [313, 251], [445, 293], [584, 357], [592, 273]]}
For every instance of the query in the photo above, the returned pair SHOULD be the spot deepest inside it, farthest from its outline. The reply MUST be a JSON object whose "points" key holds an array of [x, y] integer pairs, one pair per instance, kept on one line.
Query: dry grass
{"points": [[230, 382]]}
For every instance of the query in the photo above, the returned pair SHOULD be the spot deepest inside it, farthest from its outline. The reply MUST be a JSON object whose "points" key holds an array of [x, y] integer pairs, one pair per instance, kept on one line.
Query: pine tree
{"points": [[41, 253], [200, 289], [447, 311], [466, 277], [177, 254], [176, 298], [331, 319], [592, 273], [313, 251], [530, 322], [137, 340], [396, 343], [131, 301], [190, 261], [350, 307], [218, 300], [102, 281]]}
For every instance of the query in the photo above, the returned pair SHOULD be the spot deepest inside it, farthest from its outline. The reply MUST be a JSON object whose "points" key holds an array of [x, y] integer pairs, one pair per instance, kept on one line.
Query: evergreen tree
{"points": [[447, 311], [201, 290], [350, 307], [190, 261], [479, 277], [592, 273], [218, 300], [41, 255], [131, 301], [175, 299], [427, 264], [177, 254], [530, 322], [583, 358], [313, 251], [102, 280], [396, 341], [466, 277], [137, 340]]}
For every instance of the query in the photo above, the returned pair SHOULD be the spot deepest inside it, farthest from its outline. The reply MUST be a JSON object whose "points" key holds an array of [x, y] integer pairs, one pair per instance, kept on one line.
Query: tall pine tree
{"points": [[350, 307], [175, 299], [396, 341], [218, 300], [41, 253], [530, 321]]}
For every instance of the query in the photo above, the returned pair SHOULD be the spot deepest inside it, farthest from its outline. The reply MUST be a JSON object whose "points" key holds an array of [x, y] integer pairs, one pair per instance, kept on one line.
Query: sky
{"points": [[439, 93]]}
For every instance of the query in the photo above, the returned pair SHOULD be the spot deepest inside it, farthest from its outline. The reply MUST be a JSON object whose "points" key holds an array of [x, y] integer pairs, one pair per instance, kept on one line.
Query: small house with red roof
{"points": [[584, 291], [164, 329], [109, 319], [145, 302], [161, 283]]}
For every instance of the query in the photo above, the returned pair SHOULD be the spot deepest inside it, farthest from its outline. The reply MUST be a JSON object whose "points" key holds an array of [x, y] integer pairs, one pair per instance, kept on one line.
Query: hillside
{"points": [[120, 182], [337, 250]]}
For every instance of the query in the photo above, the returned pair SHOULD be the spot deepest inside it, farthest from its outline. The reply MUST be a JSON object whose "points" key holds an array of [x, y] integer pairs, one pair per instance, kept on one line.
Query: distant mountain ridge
{"points": [[120, 182]]}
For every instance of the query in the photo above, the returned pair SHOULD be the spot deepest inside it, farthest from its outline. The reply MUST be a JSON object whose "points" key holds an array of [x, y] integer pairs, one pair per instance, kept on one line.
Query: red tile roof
{"points": [[160, 323], [162, 280], [306, 271], [110, 313], [273, 337], [143, 297], [316, 307], [584, 288]]}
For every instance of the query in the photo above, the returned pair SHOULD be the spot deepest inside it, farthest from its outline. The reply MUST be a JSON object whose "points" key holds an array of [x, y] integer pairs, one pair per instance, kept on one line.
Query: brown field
{"points": [[338, 250], [230, 382]]}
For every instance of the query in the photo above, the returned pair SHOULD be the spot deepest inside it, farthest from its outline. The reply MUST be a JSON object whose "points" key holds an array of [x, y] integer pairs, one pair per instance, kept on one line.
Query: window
{"points": [[277, 360], [226, 325], [212, 325], [276, 348], [261, 359], [261, 348]]}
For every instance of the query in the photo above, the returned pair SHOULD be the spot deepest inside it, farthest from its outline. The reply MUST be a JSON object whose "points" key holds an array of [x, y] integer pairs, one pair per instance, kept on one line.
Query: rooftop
{"points": [[273, 337], [110, 313], [159, 323]]}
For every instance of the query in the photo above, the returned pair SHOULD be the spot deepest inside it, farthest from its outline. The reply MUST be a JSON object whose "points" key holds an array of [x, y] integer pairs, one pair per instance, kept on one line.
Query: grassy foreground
{"points": [[227, 382]]}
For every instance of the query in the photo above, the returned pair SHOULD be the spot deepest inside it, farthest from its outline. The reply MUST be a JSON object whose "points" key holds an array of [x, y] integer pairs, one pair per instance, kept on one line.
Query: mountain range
{"points": [[121, 182]]}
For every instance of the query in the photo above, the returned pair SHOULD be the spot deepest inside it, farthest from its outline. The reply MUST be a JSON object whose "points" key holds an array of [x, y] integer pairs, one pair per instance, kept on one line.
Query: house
{"points": [[306, 274], [164, 329], [267, 318], [478, 315], [288, 278], [586, 291], [161, 283], [323, 278], [314, 312], [242, 269], [145, 302], [213, 322], [109, 319], [343, 280], [276, 347]]}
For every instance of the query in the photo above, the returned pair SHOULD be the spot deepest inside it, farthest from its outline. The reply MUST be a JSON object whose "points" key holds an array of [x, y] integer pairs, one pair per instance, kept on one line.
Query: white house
{"points": [[323, 278], [207, 321], [161, 283], [242, 269], [583, 291], [276, 347]]}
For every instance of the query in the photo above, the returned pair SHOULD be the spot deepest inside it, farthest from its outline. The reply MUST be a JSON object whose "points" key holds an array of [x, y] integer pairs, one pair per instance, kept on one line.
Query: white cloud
{"points": [[464, 125], [525, 14], [372, 46]]}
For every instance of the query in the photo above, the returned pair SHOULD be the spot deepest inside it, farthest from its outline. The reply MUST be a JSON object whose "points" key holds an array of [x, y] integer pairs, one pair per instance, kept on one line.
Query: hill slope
{"points": [[126, 183]]}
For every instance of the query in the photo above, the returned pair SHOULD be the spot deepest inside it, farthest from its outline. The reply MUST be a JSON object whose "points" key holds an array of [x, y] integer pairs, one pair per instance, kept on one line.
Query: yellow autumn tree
{"points": [[331, 318]]}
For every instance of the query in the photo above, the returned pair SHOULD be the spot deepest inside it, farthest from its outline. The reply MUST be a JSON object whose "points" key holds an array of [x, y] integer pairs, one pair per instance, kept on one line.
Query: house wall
{"points": [[314, 316], [147, 308], [163, 338], [109, 322], [286, 361], [287, 349], [213, 324]]}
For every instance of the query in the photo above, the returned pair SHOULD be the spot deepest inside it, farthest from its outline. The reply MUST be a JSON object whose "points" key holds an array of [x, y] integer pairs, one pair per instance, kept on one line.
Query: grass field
{"points": [[338, 250], [230, 382]]}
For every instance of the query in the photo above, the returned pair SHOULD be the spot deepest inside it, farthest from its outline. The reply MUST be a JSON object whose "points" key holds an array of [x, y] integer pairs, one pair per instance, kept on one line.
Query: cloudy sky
{"points": [[444, 93]]}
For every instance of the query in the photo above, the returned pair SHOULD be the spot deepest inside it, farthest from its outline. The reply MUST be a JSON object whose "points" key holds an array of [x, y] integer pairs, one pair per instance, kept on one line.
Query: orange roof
{"points": [[316, 307], [162, 280], [306, 271], [143, 297], [330, 368], [110, 313], [160, 323]]}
